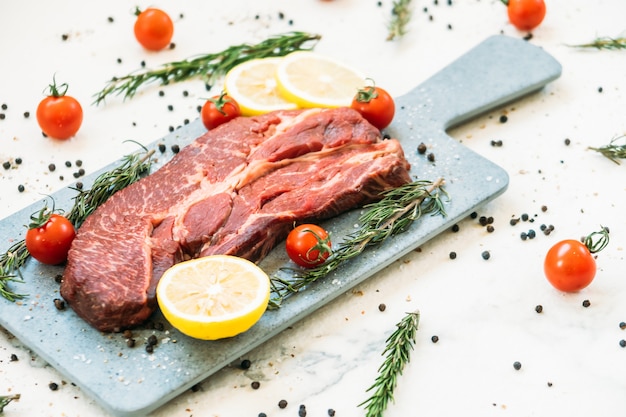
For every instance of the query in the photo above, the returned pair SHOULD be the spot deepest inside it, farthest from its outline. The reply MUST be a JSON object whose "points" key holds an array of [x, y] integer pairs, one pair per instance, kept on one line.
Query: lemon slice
{"points": [[213, 297], [253, 85], [313, 80]]}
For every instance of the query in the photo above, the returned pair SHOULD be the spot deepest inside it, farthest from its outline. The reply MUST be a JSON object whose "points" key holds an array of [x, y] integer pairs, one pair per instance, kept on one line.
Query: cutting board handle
{"points": [[495, 72]]}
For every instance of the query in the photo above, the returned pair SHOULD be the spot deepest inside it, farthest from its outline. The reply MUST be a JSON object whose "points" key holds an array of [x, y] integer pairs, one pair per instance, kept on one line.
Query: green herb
{"points": [[392, 215], [400, 16], [132, 168], [210, 66], [614, 150], [398, 350], [10, 262], [604, 43], [6, 399]]}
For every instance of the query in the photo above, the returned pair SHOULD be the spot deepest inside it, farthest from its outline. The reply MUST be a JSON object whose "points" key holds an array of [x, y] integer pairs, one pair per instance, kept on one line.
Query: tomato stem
{"points": [[505, 2], [600, 243], [367, 94], [55, 90]]}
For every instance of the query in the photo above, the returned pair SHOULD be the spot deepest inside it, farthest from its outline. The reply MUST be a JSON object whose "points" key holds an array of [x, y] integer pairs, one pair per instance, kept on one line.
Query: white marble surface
{"points": [[482, 311]]}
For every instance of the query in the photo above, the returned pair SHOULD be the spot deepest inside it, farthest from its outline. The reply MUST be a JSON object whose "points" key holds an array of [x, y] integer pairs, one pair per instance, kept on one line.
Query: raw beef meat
{"points": [[237, 190]]}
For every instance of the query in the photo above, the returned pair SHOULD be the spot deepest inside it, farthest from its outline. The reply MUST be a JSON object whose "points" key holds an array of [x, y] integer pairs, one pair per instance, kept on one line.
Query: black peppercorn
{"points": [[486, 255], [255, 384], [331, 412], [382, 307], [455, 228], [175, 148], [18, 161], [622, 343], [539, 308], [431, 157], [622, 325], [452, 255], [503, 118], [245, 364], [434, 339], [14, 357], [517, 365], [52, 167], [20, 188], [6, 165], [586, 303], [53, 386], [152, 340], [59, 304], [282, 403], [421, 148]]}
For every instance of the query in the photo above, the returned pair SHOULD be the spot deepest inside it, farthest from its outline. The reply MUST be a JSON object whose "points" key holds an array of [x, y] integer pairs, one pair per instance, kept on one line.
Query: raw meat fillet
{"points": [[237, 190]]}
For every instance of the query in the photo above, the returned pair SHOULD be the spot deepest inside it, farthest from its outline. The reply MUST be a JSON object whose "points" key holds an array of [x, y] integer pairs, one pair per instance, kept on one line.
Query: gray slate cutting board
{"points": [[129, 382]]}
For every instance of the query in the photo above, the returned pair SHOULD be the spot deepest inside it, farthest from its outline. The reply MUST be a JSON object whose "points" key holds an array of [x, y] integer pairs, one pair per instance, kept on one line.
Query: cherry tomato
{"points": [[153, 28], [570, 265], [375, 105], [51, 240], [308, 245], [526, 14], [59, 115], [218, 110]]}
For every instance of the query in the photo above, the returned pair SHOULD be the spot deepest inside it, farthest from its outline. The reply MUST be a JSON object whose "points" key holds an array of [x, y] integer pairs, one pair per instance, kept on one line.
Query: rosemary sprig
{"points": [[133, 167], [400, 16], [614, 150], [392, 215], [210, 66], [6, 399], [604, 43], [11, 261], [398, 350]]}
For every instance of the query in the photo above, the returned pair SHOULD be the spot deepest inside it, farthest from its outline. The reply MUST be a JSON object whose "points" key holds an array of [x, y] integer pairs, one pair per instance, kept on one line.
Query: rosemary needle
{"points": [[398, 353], [614, 150], [392, 215], [6, 399], [604, 43], [210, 66], [400, 17]]}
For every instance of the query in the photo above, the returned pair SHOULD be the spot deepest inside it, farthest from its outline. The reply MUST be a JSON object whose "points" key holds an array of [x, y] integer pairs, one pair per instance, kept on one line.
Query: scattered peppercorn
{"points": [[282, 403], [503, 118], [79, 163], [431, 157], [497, 143], [170, 128], [622, 325], [152, 340], [18, 161], [64, 37], [172, 45], [452, 255], [6, 165], [175, 148], [79, 185], [331, 412], [26, 114], [161, 93], [549, 383], [622, 343], [53, 386], [14, 357], [3, 116], [119, 60], [486, 255], [539, 308], [531, 234], [421, 148], [517, 365], [130, 342], [586, 303], [473, 214], [68, 164], [490, 229], [255, 384], [302, 411], [20, 188], [525, 217], [434, 339], [170, 107], [110, 19], [599, 89], [482, 220], [4, 106], [513, 221], [455, 228], [59, 304], [162, 147], [149, 349], [262, 415], [52, 167], [245, 364], [382, 307]]}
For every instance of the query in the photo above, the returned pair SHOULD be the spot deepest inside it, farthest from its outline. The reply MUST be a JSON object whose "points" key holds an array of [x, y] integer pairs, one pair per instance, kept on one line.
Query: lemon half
{"points": [[213, 297], [313, 80], [253, 85]]}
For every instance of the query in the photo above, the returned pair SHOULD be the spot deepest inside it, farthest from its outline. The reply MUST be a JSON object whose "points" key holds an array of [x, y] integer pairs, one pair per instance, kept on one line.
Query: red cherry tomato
{"points": [[153, 29], [218, 110], [526, 14], [50, 241], [570, 265], [308, 245], [59, 115], [375, 105]]}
